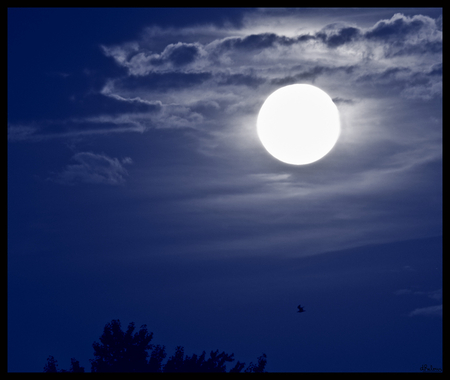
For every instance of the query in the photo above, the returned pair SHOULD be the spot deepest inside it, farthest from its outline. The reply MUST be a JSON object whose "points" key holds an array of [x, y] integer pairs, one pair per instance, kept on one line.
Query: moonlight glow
{"points": [[298, 124]]}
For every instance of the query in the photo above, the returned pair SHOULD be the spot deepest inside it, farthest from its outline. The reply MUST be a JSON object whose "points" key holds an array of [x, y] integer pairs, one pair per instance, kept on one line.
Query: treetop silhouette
{"points": [[129, 351]]}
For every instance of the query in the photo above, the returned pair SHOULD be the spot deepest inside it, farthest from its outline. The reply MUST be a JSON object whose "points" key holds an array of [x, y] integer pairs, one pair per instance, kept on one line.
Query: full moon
{"points": [[298, 124]]}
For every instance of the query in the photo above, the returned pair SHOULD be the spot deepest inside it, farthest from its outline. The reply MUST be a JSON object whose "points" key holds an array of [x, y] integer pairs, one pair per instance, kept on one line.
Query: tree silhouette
{"points": [[120, 351], [75, 366], [260, 367], [215, 363], [52, 365], [156, 357]]}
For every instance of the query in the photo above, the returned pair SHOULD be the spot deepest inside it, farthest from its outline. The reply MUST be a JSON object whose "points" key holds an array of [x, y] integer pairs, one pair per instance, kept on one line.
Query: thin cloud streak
{"points": [[432, 311], [35, 134]]}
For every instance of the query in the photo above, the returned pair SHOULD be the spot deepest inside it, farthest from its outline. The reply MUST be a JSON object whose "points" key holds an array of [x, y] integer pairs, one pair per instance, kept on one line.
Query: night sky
{"points": [[138, 188]]}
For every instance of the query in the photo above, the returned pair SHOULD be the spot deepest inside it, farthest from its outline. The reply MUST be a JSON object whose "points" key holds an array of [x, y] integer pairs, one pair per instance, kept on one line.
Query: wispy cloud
{"points": [[19, 132], [93, 168], [435, 311], [434, 294], [38, 132]]}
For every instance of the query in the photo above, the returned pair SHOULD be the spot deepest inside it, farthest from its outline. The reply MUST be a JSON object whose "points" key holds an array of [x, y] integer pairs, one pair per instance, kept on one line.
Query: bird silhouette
{"points": [[300, 309]]}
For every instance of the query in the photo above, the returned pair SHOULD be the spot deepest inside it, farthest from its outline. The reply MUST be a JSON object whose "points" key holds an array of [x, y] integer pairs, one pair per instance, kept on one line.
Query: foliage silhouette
{"points": [[121, 351], [215, 363], [52, 365], [127, 351]]}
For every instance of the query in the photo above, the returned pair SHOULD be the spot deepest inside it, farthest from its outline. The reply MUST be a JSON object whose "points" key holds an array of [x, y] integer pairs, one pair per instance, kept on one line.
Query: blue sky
{"points": [[139, 190]]}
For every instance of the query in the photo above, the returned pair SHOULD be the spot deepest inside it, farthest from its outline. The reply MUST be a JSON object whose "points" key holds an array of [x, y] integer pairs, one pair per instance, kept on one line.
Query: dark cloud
{"points": [[436, 70], [394, 28], [305, 38], [256, 41], [344, 36], [339, 100], [399, 34], [407, 82], [311, 75], [178, 55], [400, 49], [308, 75], [389, 76], [380, 83], [164, 81], [267, 40], [407, 35], [335, 35], [240, 80], [395, 31]]}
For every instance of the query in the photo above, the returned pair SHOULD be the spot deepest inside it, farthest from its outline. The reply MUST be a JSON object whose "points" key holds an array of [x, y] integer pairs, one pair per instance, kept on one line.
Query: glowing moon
{"points": [[298, 124]]}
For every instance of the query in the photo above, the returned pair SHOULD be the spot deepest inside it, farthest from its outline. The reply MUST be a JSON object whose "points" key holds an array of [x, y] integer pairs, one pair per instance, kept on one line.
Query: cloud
{"points": [[335, 35], [173, 71], [397, 36], [240, 79], [428, 311], [338, 100], [107, 90], [360, 56], [434, 294], [181, 54], [95, 169], [19, 132], [371, 178], [385, 77], [90, 126], [414, 29], [254, 42], [140, 60]]}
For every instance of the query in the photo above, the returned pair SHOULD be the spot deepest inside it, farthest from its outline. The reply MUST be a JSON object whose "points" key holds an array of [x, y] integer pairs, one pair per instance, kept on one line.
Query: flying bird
{"points": [[300, 309]]}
